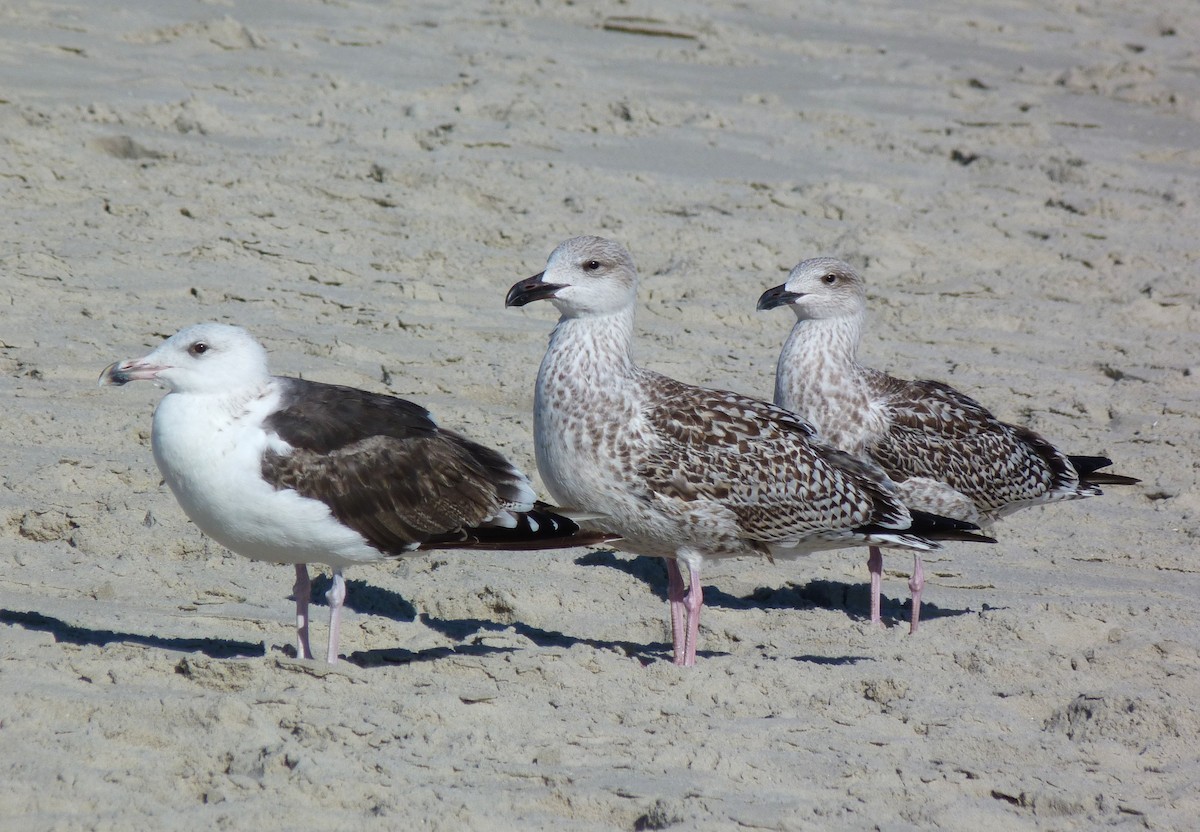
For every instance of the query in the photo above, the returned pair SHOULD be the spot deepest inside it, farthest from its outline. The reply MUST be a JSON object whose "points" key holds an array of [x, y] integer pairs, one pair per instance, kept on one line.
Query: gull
{"points": [[292, 471], [947, 452], [682, 472]]}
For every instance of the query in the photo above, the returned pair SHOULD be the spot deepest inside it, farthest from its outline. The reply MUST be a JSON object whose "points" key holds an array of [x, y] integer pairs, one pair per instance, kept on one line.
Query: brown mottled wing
{"points": [[384, 467], [760, 462], [937, 432]]}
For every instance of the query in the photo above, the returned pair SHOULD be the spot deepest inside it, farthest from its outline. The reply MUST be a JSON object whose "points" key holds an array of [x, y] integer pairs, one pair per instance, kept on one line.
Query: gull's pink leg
{"points": [[915, 584], [678, 611], [694, 601], [336, 596], [875, 567], [301, 590]]}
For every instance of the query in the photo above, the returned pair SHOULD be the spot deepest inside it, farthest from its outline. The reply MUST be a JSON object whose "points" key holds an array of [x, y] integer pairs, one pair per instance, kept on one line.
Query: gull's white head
{"points": [[820, 288], [205, 358], [584, 276]]}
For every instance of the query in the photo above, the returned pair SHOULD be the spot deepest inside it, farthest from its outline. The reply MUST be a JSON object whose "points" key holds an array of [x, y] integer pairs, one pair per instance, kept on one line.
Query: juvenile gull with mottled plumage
{"points": [[947, 452], [293, 471], [682, 472]]}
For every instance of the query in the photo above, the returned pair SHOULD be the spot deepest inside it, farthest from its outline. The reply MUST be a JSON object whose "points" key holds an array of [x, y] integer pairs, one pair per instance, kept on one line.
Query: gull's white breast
{"points": [[210, 448]]}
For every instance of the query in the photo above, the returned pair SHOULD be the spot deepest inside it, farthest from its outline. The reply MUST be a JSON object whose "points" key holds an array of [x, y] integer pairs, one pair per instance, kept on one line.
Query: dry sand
{"points": [[359, 184]]}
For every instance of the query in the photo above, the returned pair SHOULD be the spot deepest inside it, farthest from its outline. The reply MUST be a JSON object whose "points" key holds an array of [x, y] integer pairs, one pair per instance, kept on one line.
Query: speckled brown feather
{"points": [[732, 449], [935, 431]]}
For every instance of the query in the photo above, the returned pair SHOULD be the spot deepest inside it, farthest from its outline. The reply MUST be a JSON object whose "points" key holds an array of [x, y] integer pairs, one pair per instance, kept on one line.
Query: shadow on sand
{"points": [[217, 648], [473, 633], [851, 598]]}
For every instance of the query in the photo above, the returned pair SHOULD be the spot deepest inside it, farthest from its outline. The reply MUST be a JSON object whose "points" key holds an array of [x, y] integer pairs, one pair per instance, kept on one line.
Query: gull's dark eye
{"points": [[198, 348], [830, 279], [592, 265]]}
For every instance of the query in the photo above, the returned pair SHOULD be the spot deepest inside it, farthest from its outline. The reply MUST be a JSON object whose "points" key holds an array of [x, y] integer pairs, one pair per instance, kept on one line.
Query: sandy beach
{"points": [[359, 184]]}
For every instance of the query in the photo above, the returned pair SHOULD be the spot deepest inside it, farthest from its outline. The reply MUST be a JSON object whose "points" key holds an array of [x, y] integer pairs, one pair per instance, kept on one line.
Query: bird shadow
{"points": [[831, 661], [852, 598], [390, 656], [648, 570], [217, 648], [461, 629], [362, 597], [653, 572]]}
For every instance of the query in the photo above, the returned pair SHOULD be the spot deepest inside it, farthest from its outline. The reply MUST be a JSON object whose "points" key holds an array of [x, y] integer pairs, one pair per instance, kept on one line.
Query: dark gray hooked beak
{"points": [[778, 296], [123, 372], [531, 289]]}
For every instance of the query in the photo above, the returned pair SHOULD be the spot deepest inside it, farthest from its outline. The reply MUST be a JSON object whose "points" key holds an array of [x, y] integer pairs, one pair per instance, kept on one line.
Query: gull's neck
{"points": [[586, 386], [185, 424], [818, 368], [593, 350]]}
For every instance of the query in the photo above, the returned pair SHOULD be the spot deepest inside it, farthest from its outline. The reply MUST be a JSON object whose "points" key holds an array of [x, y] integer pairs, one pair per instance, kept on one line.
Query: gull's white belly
{"points": [[213, 467]]}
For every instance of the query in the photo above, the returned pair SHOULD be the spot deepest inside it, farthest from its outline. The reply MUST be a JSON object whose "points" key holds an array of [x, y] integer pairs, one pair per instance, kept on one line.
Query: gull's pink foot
{"points": [[915, 584], [875, 567], [694, 602], [336, 596], [301, 591], [675, 595]]}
